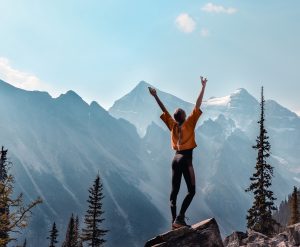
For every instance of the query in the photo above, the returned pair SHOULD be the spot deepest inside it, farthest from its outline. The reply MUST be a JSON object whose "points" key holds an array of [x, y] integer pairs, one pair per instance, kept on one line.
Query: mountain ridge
{"points": [[57, 145]]}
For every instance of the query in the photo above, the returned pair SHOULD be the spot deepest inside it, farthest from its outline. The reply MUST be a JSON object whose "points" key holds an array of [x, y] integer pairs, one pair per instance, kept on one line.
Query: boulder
{"points": [[235, 239], [293, 233], [205, 233], [289, 238]]}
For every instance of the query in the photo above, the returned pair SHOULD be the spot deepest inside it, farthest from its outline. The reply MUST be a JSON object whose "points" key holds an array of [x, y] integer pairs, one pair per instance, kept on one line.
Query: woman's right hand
{"points": [[152, 91], [203, 81]]}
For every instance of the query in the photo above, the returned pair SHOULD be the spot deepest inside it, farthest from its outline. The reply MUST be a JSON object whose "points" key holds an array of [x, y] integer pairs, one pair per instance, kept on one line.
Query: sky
{"points": [[102, 49]]}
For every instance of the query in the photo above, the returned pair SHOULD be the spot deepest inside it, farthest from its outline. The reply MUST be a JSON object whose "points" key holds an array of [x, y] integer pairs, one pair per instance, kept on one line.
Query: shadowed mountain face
{"points": [[58, 145]]}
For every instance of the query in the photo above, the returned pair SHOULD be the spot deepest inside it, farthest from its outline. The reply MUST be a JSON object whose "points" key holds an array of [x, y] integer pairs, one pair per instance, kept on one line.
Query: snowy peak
{"points": [[220, 101], [241, 91], [239, 96], [142, 85], [140, 89], [139, 107]]}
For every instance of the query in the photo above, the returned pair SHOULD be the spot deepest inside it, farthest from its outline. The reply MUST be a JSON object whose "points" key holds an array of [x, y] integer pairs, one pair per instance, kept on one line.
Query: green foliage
{"points": [[70, 240], [73, 235], [53, 236], [14, 214], [259, 216], [92, 233]]}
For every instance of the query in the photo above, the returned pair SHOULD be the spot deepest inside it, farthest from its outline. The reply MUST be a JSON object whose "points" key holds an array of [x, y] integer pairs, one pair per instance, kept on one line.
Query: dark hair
{"points": [[178, 115]]}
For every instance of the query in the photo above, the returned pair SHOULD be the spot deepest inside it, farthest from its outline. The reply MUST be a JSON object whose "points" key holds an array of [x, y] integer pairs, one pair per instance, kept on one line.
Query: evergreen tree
{"points": [[259, 216], [3, 164], [4, 193], [294, 217], [53, 236], [92, 233], [70, 240], [77, 233], [13, 213], [282, 214]]}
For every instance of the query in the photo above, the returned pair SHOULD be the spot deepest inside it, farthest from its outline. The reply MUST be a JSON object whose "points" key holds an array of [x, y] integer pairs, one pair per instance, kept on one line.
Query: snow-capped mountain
{"points": [[140, 109], [57, 146], [224, 159]]}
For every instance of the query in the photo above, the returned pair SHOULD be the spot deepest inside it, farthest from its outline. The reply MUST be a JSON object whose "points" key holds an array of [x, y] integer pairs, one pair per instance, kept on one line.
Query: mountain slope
{"points": [[58, 146]]}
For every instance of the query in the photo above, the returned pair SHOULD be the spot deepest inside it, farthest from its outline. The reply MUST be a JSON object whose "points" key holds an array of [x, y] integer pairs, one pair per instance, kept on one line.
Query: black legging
{"points": [[182, 164]]}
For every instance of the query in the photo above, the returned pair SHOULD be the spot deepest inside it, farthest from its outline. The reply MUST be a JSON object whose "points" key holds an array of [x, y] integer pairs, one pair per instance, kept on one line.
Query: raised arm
{"points": [[154, 94], [200, 97]]}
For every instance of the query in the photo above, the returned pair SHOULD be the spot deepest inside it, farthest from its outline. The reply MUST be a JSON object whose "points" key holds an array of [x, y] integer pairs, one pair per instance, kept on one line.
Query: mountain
{"points": [[140, 109], [58, 145], [224, 159]]}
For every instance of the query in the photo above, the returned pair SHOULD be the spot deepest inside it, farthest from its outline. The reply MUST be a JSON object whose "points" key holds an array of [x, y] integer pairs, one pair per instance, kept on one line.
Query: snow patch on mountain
{"points": [[222, 101]]}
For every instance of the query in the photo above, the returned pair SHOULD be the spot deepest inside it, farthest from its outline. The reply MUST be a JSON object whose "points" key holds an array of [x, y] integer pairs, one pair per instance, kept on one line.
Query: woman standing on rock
{"points": [[183, 141]]}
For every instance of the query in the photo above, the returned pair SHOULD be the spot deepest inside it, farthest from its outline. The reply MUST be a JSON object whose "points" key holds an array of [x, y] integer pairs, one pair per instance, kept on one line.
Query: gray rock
{"points": [[235, 239], [205, 233], [293, 233], [289, 238]]}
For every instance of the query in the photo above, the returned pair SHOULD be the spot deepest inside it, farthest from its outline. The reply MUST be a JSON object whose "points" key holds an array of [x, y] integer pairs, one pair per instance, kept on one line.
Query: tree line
{"points": [[14, 214]]}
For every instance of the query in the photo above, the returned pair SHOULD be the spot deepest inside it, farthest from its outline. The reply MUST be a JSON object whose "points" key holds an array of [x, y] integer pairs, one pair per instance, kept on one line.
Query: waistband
{"points": [[188, 152]]}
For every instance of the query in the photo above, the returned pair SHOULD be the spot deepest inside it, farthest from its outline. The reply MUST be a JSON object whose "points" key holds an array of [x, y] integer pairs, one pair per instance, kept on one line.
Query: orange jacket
{"points": [[182, 137]]}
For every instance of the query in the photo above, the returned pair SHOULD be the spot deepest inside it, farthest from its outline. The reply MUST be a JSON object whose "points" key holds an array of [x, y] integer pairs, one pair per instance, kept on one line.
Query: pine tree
{"points": [[77, 233], [259, 216], [70, 240], [13, 213], [92, 233], [3, 164], [295, 216], [53, 236]]}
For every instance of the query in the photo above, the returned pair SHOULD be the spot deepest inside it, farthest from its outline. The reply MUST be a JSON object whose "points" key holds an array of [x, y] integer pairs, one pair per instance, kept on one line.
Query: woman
{"points": [[183, 141]]}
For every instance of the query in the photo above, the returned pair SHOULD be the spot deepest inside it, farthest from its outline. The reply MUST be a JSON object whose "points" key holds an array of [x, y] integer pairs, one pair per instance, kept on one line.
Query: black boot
{"points": [[179, 222]]}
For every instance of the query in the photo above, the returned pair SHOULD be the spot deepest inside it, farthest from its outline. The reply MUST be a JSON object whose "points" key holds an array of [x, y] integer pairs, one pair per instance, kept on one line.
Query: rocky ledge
{"points": [[205, 233], [289, 238]]}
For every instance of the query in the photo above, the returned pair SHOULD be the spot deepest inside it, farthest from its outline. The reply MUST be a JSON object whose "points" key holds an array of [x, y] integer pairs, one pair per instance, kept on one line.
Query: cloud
{"points": [[21, 79], [212, 8], [204, 32], [185, 23]]}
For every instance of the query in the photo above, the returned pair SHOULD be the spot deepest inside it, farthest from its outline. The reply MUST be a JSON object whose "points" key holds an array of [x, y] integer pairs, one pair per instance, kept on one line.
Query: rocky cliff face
{"points": [[289, 238], [205, 233]]}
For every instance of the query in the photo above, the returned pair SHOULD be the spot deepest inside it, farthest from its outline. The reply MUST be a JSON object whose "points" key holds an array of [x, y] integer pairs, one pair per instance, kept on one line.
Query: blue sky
{"points": [[102, 49]]}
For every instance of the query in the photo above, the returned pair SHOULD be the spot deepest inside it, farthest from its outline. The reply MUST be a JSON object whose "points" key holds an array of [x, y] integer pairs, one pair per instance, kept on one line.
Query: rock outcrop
{"points": [[203, 234], [289, 238]]}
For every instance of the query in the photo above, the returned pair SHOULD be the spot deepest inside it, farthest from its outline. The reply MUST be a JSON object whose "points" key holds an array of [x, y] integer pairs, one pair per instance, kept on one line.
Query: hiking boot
{"points": [[179, 222]]}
